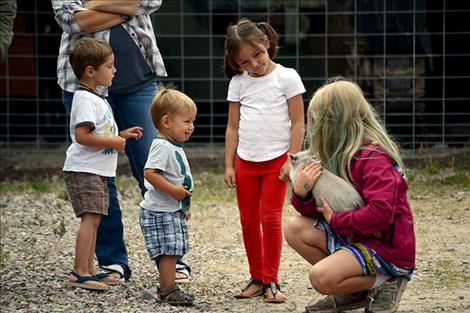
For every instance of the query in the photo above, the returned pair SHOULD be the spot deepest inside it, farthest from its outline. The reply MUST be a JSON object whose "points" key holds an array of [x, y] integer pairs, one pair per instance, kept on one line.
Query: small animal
{"points": [[339, 193]]}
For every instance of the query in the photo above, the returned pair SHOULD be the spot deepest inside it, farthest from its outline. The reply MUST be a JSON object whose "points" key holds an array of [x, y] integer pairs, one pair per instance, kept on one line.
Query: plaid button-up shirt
{"points": [[139, 28]]}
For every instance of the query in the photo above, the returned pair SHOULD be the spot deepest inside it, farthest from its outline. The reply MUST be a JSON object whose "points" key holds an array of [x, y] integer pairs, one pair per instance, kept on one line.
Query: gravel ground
{"points": [[38, 232]]}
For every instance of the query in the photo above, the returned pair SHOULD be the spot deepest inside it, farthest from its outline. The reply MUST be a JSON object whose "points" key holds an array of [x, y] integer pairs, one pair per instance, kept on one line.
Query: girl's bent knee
{"points": [[297, 227], [319, 281], [290, 232], [294, 226]]}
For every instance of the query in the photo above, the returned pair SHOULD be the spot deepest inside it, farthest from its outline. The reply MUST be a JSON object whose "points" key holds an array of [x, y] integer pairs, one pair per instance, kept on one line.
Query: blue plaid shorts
{"points": [[165, 233]]}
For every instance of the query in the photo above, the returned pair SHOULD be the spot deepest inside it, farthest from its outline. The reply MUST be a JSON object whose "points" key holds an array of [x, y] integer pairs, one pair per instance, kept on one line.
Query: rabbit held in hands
{"points": [[339, 193]]}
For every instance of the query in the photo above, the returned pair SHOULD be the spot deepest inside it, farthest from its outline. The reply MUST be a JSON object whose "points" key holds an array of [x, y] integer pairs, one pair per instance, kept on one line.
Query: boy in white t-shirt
{"points": [[165, 208], [92, 156]]}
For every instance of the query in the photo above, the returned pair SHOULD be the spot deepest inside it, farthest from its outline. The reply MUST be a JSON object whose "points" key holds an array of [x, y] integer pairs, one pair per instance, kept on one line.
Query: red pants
{"points": [[260, 196]]}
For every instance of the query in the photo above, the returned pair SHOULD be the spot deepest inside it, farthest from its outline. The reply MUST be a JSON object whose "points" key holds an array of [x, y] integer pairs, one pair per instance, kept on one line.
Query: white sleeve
{"points": [[234, 89], [84, 110], [292, 83], [158, 156]]}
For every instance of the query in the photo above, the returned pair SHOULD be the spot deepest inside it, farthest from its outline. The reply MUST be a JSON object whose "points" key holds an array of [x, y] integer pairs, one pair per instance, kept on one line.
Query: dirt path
{"points": [[37, 240]]}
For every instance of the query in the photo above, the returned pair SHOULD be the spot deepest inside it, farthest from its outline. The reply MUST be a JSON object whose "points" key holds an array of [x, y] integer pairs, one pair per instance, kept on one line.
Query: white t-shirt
{"points": [[89, 108], [265, 126], [170, 159]]}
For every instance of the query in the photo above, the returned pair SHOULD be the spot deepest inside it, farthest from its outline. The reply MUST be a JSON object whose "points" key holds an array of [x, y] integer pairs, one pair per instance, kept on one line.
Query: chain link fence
{"points": [[411, 57]]}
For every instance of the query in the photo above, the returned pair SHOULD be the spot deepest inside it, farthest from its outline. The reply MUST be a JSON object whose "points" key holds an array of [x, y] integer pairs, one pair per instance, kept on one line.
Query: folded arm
{"points": [[74, 18], [127, 7]]}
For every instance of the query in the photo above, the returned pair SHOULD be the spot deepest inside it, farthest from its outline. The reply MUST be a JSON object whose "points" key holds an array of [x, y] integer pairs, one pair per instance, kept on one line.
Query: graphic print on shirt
{"points": [[109, 130], [187, 183]]}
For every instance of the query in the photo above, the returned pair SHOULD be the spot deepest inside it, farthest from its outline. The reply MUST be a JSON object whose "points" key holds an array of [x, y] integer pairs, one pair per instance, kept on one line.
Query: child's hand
{"points": [[179, 192], [230, 179], [307, 177], [284, 173], [188, 216], [325, 209], [133, 132], [119, 143]]}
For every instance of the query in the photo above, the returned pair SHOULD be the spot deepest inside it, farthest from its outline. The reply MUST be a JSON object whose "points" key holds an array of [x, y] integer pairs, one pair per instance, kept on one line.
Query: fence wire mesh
{"points": [[410, 57]]}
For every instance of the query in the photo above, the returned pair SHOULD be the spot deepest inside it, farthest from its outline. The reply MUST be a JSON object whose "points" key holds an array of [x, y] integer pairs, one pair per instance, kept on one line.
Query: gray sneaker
{"points": [[386, 297], [339, 303]]}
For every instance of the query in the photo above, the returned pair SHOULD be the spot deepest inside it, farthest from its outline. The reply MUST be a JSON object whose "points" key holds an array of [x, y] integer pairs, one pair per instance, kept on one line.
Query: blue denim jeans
{"points": [[129, 110]]}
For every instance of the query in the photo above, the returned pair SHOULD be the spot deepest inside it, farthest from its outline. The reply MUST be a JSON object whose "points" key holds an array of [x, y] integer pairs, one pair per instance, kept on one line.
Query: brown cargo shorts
{"points": [[88, 193]]}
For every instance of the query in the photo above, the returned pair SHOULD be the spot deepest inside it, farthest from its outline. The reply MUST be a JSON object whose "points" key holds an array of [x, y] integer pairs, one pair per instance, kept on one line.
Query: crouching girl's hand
{"points": [[307, 177], [325, 209]]}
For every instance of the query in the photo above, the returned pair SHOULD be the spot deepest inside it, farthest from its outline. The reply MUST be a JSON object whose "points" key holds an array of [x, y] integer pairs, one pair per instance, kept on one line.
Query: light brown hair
{"points": [[169, 101], [245, 31], [88, 52]]}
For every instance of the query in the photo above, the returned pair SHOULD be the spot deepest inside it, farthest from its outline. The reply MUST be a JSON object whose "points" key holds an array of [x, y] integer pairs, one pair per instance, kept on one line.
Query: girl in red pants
{"points": [[266, 121]]}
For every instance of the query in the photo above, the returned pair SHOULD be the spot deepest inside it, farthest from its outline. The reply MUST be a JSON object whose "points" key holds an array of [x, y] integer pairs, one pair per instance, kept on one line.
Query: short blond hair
{"points": [[169, 101]]}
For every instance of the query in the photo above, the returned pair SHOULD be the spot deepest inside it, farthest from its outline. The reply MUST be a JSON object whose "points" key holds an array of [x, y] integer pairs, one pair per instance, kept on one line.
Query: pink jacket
{"points": [[385, 223]]}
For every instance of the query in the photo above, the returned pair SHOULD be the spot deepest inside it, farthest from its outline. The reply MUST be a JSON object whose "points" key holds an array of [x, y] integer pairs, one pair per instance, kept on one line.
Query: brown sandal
{"points": [[259, 292], [175, 296], [275, 289]]}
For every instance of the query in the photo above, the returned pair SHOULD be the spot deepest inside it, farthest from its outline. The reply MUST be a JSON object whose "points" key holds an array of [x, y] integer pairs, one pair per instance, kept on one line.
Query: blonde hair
{"points": [[169, 101], [339, 121], [254, 34]]}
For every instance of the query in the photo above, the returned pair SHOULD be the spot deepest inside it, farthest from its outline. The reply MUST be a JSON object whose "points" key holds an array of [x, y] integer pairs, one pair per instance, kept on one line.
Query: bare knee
{"points": [[321, 281], [91, 219], [293, 229]]}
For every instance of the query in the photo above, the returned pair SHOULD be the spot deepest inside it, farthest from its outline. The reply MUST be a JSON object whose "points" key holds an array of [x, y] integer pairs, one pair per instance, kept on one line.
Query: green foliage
{"points": [[13, 186], [37, 185], [432, 167], [210, 186], [459, 178], [410, 175], [41, 186], [435, 172]]}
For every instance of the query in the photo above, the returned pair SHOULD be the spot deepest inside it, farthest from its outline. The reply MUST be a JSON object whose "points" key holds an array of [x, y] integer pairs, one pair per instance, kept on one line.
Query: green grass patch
{"points": [[444, 272], [432, 167], [14, 186], [41, 186], [410, 175], [35, 185], [459, 178], [210, 186]]}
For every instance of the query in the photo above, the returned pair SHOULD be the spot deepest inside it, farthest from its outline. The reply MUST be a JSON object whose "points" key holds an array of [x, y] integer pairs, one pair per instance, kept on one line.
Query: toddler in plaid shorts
{"points": [[165, 209]]}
